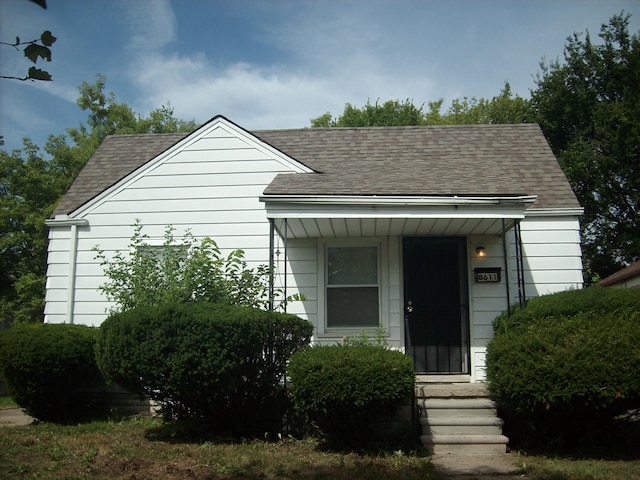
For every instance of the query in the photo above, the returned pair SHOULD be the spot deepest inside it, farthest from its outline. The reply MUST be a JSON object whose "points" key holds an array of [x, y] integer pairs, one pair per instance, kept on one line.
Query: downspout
{"points": [[506, 267], [71, 279]]}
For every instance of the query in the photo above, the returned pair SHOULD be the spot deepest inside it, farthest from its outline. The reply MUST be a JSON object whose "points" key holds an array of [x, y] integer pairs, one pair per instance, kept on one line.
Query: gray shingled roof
{"points": [[464, 160]]}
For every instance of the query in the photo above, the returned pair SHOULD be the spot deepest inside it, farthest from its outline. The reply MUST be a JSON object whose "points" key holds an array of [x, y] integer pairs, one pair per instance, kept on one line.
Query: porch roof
{"points": [[310, 217]]}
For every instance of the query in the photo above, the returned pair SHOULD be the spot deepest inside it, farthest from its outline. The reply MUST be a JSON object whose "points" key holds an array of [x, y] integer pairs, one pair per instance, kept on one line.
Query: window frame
{"points": [[381, 246]]}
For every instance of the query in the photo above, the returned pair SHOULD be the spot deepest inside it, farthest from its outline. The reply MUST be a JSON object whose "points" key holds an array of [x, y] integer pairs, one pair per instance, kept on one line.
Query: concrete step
{"points": [[465, 444], [449, 390], [461, 425], [465, 403], [459, 419], [474, 407]]}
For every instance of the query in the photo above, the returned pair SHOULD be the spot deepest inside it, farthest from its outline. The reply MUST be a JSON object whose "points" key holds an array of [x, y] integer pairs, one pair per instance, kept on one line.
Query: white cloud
{"points": [[152, 23]]}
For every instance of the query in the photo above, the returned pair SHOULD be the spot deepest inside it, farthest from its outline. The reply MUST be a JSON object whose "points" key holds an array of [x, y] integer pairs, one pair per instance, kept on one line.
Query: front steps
{"points": [[458, 418]]}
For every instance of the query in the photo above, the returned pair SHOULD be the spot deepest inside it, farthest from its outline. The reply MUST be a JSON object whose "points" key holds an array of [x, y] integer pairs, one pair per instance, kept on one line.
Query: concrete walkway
{"points": [[14, 416], [506, 466]]}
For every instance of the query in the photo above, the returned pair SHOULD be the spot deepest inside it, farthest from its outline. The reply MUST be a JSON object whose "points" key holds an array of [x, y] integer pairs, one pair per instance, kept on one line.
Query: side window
{"points": [[352, 286]]}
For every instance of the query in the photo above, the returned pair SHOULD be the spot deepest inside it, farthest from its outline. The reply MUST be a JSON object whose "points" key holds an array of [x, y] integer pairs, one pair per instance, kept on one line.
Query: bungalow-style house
{"points": [[628, 277], [428, 231]]}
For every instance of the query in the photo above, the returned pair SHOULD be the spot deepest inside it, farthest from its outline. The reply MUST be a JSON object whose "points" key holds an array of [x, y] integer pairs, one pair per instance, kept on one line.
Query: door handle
{"points": [[409, 306]]}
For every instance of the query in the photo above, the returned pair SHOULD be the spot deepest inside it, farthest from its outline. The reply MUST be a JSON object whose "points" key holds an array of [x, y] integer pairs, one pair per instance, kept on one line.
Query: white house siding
{"points": [[211, 186], [552, 263], [552, 254]]}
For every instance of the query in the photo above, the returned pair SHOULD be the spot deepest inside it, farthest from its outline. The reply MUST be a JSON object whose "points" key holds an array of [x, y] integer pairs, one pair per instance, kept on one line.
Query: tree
{"points": [[503, 108], [181, 271], [588, 107], [32, 181], [391, 112]]}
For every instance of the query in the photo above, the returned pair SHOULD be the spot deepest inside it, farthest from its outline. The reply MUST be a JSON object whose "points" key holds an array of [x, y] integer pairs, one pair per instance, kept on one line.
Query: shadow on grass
{"points": [[614, 440], [188, 431]]}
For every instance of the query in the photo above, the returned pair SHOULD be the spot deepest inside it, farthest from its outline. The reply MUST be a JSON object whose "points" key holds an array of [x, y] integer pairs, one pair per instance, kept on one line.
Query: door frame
{"points": [[464, 294]]}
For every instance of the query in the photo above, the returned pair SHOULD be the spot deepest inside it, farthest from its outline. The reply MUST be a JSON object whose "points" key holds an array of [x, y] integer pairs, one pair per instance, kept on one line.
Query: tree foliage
{"points": [[588, 107], [180, 271], [391, 112], [503, 108], [34, 49], [32, 180]]}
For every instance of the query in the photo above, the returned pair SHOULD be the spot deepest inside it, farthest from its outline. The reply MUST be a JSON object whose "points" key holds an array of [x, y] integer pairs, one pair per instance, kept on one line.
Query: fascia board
{"points": [[394, 211], [396, 207], [555, 212], [397, 200]]}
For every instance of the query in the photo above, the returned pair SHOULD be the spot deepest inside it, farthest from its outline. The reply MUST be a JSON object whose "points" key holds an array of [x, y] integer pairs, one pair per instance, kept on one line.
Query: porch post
{"points": [[506, 266], [271, 264], [286, 237]]}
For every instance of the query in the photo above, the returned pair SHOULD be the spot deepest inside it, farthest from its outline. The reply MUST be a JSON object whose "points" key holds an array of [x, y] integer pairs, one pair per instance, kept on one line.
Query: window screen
{"points": [[352, 288]]}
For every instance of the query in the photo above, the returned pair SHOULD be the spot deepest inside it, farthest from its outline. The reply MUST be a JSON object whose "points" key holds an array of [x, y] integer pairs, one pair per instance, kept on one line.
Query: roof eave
{"points": [[383, 200]]}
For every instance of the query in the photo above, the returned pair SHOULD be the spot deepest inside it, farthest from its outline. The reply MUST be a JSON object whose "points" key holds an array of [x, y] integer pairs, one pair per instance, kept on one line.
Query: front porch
{"points": [[429, 301]]}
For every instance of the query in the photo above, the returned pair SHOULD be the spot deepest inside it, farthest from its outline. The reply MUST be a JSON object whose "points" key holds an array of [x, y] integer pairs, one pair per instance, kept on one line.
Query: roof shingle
{"points": [[464, 160]]}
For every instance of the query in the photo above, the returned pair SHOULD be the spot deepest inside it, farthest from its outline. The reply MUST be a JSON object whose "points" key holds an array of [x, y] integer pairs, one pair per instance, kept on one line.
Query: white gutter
{"points": [[554, 212], [374, 200], [73, 224]]}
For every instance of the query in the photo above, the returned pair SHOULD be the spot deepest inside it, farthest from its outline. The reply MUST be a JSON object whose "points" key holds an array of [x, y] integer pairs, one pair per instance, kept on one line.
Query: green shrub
{"points": [[563, 377], [220, 365], [346, 390], [180, 271], [568, 303], [49, 370]]}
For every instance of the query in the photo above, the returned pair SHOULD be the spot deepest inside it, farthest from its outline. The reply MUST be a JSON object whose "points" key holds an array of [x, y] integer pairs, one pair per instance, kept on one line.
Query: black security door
{"points": [[436, 306]]}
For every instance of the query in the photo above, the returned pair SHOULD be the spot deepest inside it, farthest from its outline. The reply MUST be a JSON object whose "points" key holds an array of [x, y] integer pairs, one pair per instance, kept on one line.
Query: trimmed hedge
{"points": [[568, 303], [346, 390], [220, 365], [566, 375], [51, 370]]}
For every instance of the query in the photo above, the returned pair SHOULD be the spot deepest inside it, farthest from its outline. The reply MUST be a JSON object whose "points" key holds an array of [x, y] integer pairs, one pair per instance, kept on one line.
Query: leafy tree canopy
{"points": [[503, 108], [32, 181], [589, 108]]}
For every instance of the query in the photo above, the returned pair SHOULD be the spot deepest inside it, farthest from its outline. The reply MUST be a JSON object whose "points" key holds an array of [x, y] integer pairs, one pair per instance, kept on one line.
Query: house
{"points": [[429, 231], [628, 277]]}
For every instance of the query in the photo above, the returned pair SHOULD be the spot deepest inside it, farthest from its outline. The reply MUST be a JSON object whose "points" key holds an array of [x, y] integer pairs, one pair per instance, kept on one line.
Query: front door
{"points": [[436, 304]]}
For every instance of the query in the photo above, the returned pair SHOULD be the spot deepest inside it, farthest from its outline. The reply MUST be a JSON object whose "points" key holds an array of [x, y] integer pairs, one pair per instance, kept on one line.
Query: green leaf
{"points": [[33, 51], [47, 38], [17, 41], [37, 74]]}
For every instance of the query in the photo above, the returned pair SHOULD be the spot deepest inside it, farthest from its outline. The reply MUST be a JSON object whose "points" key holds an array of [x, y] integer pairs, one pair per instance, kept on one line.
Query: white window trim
{"points": [[338, 333]]}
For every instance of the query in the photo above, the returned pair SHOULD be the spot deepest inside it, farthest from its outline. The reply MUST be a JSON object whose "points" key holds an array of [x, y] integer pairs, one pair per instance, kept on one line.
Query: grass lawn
{"points": [[132, 449], [7, 402], [138, 449]]}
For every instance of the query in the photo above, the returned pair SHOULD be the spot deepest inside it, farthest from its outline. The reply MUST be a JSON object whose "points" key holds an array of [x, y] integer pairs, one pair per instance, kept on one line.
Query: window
{"points": [[352, 287]]}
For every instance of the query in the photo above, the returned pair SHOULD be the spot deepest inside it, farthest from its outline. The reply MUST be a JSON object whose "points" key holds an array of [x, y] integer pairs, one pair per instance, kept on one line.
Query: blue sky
{"points": [[277, 64]]}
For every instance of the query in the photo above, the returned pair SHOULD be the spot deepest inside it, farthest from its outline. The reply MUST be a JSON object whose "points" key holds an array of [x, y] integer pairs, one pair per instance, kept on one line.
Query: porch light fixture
{"points": [[481, 252]]}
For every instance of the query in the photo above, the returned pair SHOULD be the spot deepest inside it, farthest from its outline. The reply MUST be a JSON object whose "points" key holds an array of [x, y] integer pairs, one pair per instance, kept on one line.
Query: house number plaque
{"points": [[487, 275]]}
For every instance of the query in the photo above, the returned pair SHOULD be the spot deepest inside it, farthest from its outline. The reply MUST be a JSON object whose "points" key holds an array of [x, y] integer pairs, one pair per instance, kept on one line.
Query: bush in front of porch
{"points": [[564, 368], [347, 390]]}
